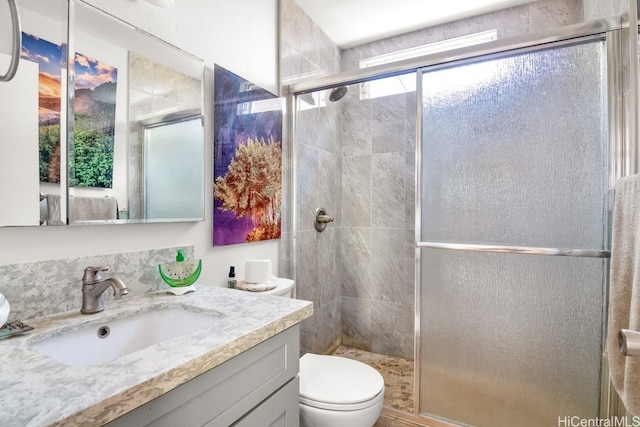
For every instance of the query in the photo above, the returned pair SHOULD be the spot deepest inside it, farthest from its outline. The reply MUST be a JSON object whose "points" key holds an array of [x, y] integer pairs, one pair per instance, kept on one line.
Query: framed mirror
{"points": [[119, 140], [137, 153], [32, 114]]}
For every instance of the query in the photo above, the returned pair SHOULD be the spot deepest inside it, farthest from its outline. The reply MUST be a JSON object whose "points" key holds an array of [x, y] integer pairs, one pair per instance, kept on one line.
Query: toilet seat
{"points": [[338, 384], [342, 406]]}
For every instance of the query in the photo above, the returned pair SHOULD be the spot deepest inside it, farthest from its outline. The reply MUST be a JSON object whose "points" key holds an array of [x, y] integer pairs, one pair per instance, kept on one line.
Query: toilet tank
{"points": [[284, 287]]}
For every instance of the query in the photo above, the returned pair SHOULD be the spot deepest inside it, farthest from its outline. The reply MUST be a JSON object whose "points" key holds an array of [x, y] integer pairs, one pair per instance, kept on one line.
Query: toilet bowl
{"points": [[339, 392], [334, 391]]}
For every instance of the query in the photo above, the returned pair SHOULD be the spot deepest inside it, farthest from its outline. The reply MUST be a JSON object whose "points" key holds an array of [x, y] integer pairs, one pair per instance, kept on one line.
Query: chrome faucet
{"points": [[93, 286]]}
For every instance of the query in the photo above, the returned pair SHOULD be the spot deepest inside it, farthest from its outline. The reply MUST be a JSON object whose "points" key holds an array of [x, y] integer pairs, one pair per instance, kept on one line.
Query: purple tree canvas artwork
{"points": [[247, 161]]}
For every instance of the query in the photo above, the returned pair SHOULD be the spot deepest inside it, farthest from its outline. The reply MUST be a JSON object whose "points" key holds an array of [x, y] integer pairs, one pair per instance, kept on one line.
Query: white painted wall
{"points": [[240, 35], [19, 152]]}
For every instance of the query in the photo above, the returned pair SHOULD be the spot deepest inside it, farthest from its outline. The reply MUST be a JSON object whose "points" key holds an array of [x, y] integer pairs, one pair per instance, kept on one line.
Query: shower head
{"points": [[337, 93]]}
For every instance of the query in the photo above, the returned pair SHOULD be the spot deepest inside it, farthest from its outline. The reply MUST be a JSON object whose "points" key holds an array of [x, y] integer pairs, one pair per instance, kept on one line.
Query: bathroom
{"points": [[216, 31], [355, 158]]}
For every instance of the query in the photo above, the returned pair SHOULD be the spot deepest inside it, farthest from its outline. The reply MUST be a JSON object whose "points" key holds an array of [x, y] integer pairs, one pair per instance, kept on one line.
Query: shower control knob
{"points": [[322, 219]]}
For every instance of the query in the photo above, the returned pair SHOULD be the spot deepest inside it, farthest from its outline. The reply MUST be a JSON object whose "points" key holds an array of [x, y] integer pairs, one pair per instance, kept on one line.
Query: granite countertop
{"points": [[36, 390]]}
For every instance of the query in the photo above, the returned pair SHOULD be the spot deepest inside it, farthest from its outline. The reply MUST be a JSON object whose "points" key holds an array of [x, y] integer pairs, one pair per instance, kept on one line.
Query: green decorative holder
{"points": [[181, 273]]}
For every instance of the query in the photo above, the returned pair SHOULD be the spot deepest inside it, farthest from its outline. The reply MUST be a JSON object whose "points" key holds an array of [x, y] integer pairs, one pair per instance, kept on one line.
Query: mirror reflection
{"points": [[32, 111], [135, 148]]}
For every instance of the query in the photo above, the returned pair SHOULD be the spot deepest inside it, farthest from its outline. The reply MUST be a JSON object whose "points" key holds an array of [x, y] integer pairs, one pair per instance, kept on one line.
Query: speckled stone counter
{"points": [[36, 390]]}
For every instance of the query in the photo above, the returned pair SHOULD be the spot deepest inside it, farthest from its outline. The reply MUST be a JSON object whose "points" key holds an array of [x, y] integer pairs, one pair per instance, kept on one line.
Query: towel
{"points": [[92, 208], [53, 210], [624, 290]]}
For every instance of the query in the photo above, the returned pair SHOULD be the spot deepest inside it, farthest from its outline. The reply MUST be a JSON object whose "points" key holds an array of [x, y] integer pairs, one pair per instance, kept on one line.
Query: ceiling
{"points": [[354, 22]]}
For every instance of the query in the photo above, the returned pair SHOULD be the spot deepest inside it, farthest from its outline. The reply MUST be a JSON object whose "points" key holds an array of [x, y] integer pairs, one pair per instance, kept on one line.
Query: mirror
{"points": [[32, 113], [135, 147]]}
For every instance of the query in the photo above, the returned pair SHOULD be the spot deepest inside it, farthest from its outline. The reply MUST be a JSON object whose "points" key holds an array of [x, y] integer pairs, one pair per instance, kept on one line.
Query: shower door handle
{"points": [[528, 250], [629, 342]]}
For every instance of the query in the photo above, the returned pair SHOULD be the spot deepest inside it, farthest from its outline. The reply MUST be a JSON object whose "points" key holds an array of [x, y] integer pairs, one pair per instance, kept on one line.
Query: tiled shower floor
{"points": [[397, 373]]}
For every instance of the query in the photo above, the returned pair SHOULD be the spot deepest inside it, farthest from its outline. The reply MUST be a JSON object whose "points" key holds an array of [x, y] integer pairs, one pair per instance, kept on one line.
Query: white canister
{"points": [[257, 270]]}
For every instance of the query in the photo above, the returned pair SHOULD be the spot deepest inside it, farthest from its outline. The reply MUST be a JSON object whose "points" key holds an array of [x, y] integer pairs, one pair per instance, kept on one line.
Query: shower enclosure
{"points": [[487, 186], [508, 327]]}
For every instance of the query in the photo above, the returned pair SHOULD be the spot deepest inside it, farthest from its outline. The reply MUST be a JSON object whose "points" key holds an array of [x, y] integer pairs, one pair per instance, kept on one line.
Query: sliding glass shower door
{"points": [[513, 165]]}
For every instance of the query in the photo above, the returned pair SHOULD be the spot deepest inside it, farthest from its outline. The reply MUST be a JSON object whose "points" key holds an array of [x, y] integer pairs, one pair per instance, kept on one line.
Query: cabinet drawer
{"points": [[281, 409], [222, 395]]}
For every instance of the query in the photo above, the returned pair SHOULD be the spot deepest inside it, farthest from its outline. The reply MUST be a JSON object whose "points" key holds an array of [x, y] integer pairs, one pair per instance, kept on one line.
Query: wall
{"points": [[307, 51], [58, 282], [242, 37], [596, 9], [378, 222], [530, 18]]}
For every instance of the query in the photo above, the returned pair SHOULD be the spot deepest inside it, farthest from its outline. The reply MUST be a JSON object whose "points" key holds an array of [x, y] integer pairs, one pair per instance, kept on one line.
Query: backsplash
{"points": [[46, 287]]}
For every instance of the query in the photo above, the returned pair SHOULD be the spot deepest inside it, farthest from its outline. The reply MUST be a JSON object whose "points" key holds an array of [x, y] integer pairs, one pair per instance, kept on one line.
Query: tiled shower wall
{"points": [[351, 161], [378, 223], [307, 51], [530, 18], [596, 9]]}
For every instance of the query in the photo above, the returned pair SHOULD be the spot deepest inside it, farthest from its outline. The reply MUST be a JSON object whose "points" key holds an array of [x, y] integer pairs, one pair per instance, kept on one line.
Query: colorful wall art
{"points": [[94, 112], [247, 161]]}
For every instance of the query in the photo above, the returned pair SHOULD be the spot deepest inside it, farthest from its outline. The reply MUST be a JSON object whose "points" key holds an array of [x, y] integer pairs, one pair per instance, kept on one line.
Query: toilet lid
{"points": [[338, 380]]}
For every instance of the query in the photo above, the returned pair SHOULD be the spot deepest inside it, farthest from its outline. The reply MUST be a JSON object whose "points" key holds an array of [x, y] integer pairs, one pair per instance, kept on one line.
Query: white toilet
{"points": [[339, 392], [335, 391]]}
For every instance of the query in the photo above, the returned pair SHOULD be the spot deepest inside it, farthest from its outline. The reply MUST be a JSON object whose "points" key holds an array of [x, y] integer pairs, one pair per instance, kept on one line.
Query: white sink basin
{"points": [[111, 340]]}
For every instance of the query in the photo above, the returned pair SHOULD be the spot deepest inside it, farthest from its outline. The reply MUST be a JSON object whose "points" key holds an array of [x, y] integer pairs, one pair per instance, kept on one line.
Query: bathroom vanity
{"points": [[255, 388], [238, 369]]}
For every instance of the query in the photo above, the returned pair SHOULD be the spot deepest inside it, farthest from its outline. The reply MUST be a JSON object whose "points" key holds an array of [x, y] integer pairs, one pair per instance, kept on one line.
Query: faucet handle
{"points": [[92, 275]]}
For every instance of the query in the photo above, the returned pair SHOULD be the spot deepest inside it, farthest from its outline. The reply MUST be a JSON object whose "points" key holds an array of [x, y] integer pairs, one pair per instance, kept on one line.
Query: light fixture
{"points": [[428, 49], [161, 3]]}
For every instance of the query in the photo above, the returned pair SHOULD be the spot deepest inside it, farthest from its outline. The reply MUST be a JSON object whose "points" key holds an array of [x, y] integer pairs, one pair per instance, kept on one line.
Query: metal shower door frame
{"points": [[618, 160], [619, 147]]}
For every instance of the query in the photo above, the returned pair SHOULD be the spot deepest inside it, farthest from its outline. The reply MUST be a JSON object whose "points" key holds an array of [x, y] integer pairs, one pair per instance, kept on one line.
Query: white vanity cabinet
{"points": [[257, 388]]}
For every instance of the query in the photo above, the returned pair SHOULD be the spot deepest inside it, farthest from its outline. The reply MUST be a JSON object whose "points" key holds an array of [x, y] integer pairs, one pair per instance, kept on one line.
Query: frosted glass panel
{"points": [[514, 153], [510, 340], [174, 173], [514, 150]]}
